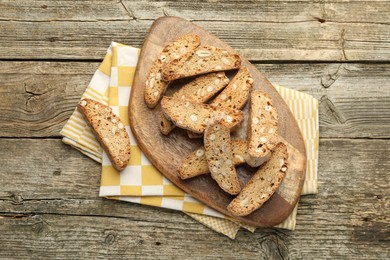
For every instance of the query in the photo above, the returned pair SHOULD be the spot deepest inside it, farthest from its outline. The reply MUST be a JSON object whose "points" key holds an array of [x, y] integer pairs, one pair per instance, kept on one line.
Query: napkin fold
{"points": [[140, 182]]}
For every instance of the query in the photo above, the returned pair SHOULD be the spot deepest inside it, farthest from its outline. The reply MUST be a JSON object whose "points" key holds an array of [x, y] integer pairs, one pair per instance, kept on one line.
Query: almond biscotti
{"points": [[263, 125], [196, 163], [194, 117], [219, 155], [108, 130], [236, 94], [155, 85], [205, 59], [262, 185], [199, 90], [203, 88]]}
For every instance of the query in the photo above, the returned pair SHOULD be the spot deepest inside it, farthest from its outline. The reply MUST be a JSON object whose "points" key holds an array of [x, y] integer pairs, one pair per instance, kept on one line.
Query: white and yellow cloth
{"points": [[140, 182]]}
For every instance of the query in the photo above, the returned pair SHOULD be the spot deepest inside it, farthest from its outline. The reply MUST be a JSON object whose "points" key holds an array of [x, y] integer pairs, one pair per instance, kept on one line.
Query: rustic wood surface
{"points": [[337, 51], [172, 150]]}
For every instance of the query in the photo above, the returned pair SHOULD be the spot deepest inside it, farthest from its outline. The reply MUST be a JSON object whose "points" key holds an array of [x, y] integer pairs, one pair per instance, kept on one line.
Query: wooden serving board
{"points": [[167, 152]]}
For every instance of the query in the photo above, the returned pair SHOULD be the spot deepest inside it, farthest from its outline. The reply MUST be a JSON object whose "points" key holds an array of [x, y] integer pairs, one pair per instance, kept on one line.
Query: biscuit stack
{"points": [[209, 107]]}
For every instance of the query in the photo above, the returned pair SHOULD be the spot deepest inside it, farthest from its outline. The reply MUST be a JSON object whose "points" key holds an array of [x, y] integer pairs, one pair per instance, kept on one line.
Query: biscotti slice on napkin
{"points": [[180, 48], [263, 125], [236, 94], [205, 59], [196, 163], [108, 130], [262, 185], [199, 90], [194, 117], [219, 155]]}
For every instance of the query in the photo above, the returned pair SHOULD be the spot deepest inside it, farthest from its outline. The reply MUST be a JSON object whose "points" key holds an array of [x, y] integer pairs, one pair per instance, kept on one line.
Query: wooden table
{"points": [[337, 51]]}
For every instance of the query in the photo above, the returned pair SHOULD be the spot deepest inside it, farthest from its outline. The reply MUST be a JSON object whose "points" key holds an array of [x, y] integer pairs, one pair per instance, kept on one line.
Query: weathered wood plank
{"points": [[54, 201], [36, 98], [265, 11], [261, 30], [223, 10], [75, 237], [270, 41]]}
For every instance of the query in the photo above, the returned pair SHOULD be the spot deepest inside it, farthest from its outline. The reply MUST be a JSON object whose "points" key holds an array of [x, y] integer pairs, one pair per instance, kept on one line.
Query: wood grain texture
{"points": [[167, 152], [295, 30], [36, 98], [57, 212], [362, 11]]}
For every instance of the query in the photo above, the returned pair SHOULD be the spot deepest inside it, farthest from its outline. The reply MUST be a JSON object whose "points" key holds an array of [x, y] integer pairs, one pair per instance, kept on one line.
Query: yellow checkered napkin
{"points": [[140, 182]]}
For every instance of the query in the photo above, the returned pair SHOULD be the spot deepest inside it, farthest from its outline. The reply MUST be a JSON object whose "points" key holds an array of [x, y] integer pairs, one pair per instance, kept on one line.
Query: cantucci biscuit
{"points": [[236, 94], [199, 90], [203, 87], [262, 185], [205, 59], [108, 130], [263, 125], [219, 155], [155, 85], [194, 117], [196, 163]]}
